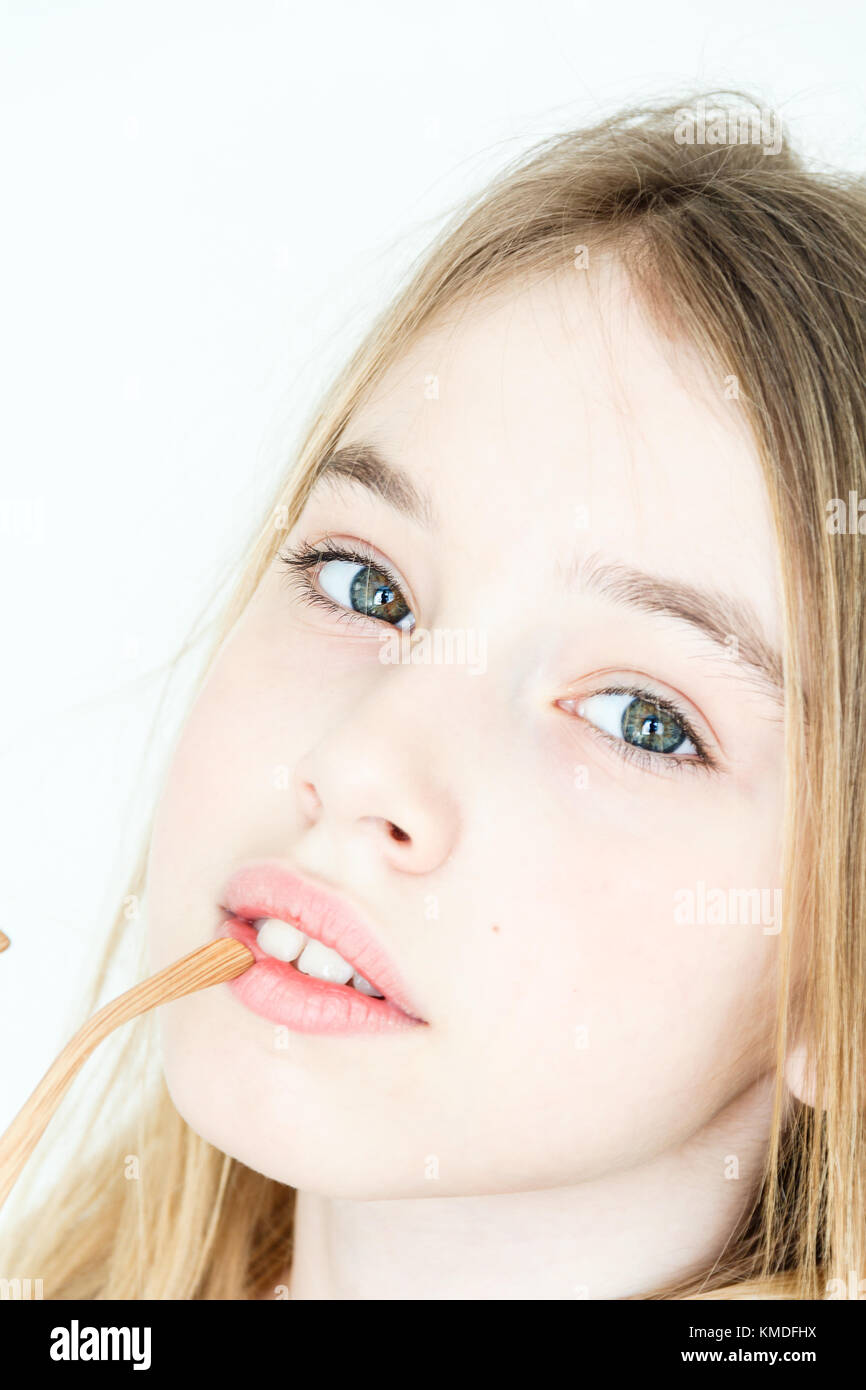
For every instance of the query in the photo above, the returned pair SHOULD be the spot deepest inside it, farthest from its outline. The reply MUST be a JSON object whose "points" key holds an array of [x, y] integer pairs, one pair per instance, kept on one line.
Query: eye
{"points": [[349, 580], [365, 589], [639, 720], [644, 729]]}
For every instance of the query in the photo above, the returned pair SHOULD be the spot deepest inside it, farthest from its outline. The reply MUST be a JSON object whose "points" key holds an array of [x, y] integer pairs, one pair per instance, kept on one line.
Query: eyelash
{"points": [[701, 761], [303, 559]]}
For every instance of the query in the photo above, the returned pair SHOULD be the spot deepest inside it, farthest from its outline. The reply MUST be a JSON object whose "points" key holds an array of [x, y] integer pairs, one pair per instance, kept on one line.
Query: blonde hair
{"points": [[761, 263]]}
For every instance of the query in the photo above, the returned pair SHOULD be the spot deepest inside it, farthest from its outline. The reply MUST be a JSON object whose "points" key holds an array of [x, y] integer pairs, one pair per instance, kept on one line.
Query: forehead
{"points": [[553, 417]]}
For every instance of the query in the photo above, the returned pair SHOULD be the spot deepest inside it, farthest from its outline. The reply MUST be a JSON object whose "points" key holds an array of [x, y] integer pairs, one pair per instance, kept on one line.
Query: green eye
{"points": [[638, 720], [647, 725], [366, 590]]}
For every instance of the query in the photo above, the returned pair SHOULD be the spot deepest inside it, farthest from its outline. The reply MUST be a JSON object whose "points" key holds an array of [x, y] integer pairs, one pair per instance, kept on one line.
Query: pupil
{"points": [[372, 595], [647, 726]]}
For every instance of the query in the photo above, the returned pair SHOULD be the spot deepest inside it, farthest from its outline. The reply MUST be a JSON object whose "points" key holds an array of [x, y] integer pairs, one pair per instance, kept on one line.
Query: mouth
{"points": [[318, 968]]}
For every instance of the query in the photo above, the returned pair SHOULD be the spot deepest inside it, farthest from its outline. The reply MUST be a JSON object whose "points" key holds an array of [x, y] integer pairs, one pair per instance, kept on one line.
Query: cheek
{"points": [[223, 1078], [200, 808], [598, 1005], [227, 796]]}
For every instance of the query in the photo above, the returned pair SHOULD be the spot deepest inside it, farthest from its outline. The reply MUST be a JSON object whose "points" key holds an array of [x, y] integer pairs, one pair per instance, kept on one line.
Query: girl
{"points": [[529, 761]]}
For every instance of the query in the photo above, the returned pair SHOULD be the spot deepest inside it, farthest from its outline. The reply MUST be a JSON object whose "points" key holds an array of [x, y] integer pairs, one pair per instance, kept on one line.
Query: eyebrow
{"points": [[716, 615], [365, 465]]}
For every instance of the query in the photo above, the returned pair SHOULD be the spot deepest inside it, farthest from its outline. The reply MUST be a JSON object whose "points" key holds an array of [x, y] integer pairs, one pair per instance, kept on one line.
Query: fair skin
{"points": [[591, 1065]]}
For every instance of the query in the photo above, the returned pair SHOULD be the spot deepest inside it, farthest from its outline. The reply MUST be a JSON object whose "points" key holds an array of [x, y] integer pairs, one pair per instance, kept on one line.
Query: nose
{"points": [[361, 789], [312, 805]]}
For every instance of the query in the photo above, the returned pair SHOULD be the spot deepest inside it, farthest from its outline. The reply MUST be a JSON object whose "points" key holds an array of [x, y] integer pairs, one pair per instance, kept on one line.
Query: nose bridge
{"points": [[461, 651], [394, 758], [413, 712]]}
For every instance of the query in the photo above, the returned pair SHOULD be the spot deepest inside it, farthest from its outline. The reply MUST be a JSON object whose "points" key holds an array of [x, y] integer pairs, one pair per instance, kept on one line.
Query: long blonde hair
{"points": [[761, 263]]}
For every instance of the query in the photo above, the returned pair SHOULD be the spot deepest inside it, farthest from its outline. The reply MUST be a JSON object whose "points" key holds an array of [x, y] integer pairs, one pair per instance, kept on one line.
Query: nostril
{"points": [[310, 799], [396, 832]]}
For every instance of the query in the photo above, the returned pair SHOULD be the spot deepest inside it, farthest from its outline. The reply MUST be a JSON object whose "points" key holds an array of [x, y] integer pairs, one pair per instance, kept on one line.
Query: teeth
{"points": [[288, 943], [280, 939], [365, 987], [324, 964]]}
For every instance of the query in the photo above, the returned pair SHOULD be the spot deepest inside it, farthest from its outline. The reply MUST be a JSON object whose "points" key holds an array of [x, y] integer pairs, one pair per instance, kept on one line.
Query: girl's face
{"points": [[560, 821]]}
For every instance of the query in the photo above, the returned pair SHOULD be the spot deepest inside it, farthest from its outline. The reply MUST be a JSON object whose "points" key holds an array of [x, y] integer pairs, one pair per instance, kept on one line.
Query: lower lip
{"points": [[276, 990]]}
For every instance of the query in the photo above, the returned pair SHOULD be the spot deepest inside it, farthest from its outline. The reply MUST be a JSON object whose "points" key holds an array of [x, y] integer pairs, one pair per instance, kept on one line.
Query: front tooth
{"points": [[280, 939], [323, 963], [365, 987]]}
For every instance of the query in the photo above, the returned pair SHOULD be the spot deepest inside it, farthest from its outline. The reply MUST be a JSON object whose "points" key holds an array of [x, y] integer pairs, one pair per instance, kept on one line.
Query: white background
{"points": [[203, 204]]}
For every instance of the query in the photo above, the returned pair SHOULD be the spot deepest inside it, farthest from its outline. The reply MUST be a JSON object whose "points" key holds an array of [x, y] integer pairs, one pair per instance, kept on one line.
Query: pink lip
{"points": [[277, 990]]}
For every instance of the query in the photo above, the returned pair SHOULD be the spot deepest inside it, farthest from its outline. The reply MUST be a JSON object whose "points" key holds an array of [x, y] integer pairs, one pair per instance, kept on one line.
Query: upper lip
{"points": [[268, 889]]}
